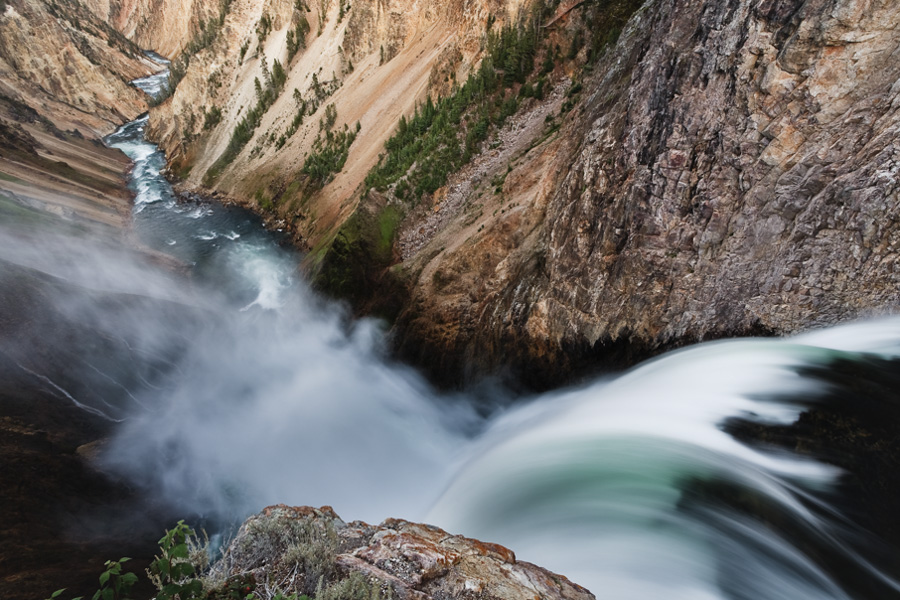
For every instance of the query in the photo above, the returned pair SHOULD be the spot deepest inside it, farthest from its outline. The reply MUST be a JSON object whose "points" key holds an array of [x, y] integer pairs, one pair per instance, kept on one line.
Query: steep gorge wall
{"points": [[69, 66], [732, 170], [721, 168], [374, 61], [164, 26]]}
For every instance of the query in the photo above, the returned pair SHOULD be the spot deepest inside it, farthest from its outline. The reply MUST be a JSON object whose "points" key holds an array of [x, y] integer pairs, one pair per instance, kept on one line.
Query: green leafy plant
{"points": [[114, 584], [173, 572]]}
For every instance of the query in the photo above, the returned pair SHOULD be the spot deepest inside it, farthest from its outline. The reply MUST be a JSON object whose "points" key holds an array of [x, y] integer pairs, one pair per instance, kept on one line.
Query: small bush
{"points": [[263, 27], [355, 587], [328, 155], [211, 117], [173, 572]]}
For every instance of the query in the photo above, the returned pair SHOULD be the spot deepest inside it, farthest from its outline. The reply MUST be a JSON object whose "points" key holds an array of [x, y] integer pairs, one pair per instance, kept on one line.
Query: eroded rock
{"points": [[732, 170], [301, 549]]}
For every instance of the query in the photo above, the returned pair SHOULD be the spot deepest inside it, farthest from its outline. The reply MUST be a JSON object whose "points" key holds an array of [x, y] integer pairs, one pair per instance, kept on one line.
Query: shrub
{"points": [[114, 584], [174, 573], [279, 76], [211, 117], [355, 587], [328, 155], [263, 27]]}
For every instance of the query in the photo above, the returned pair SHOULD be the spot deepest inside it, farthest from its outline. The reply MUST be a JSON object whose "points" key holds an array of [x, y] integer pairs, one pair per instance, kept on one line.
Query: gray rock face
{"points": [[732, 169], [306, 550], [748, 175]]}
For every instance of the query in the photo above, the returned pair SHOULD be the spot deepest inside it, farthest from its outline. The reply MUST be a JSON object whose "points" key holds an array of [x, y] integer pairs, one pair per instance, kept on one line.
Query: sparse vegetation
{"points": [[296, 38], [279, 75], [343, 8], [211, 117], [299, 555], [243, 131], [329, 154], [443, 136], [355, 587], [296, 122], [330, 117], [263, 27]]}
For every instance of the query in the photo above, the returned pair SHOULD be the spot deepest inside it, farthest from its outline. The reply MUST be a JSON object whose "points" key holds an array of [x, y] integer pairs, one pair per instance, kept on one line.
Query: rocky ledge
{"points": [[312, 551]]}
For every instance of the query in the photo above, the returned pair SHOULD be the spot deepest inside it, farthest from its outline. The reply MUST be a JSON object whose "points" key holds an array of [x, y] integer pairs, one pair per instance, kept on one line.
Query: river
{"points": [[254, 391]]}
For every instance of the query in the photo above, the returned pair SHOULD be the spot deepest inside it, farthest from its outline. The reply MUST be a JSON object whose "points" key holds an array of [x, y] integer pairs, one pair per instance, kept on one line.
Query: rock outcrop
{"points": [[303, 549]]}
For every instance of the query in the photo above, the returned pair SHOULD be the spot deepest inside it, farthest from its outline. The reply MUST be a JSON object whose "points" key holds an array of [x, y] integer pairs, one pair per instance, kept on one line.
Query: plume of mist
{"points": [[226, 406]]}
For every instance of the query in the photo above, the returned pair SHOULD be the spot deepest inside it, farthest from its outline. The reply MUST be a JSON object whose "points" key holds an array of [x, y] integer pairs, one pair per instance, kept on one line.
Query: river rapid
{"points": [[243, 388]]}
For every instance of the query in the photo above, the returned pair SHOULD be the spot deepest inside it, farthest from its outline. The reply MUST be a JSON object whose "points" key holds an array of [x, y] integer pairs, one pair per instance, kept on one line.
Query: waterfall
{"points": [[240, 388]]}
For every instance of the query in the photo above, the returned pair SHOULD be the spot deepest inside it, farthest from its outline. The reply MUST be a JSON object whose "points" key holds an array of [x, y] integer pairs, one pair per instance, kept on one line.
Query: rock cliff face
{"points": [[302, 549], [732, 170], [164, 26], [69, 66], [719, 168]]}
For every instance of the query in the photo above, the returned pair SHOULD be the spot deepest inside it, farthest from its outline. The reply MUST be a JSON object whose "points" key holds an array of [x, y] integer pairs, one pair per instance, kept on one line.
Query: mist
{"points": [[293, 407], [226, 405]]}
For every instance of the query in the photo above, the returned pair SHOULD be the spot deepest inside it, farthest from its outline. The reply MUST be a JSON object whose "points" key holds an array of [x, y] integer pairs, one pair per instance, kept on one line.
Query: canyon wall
{"points": [[374, 61], [731, 170], [69, 66], [164, 26], [707, 170]]}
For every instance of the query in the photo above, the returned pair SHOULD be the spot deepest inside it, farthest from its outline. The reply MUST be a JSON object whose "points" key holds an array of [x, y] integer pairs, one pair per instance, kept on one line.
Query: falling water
{"points": [[595, 482], [242, 388]]}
